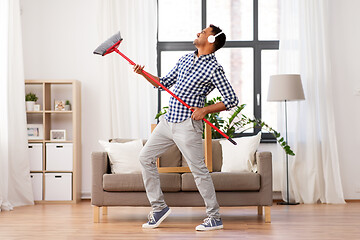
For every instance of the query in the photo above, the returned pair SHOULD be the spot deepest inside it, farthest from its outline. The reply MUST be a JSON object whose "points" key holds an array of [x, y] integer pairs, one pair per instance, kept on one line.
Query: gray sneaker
{"points": [[210, 223], [155, 218]]}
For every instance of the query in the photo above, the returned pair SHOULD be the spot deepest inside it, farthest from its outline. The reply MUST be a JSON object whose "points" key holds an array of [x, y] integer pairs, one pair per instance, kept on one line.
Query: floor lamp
{"points": [[283, 88]]}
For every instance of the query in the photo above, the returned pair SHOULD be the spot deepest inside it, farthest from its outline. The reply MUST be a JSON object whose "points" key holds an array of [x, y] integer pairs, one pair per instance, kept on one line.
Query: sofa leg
{"points": [[267, 214], [260, 210], [105, 210], [96, 214]]}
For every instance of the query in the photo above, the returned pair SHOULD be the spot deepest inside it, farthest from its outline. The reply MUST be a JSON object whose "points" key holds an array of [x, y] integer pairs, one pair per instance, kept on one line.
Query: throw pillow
{"points": [[124, 157], [240, 157]]}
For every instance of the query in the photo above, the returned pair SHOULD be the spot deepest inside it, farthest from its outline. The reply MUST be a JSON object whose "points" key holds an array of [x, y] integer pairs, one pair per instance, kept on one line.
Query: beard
{"points": [[197, 42]]}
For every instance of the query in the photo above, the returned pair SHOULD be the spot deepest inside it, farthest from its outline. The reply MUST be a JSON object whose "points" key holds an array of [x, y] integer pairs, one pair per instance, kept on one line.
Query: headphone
{"points": [[211, 38]]}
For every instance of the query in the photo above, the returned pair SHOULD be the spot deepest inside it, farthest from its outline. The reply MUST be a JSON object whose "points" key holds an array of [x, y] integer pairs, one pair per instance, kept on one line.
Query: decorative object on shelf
{"points": [[67, 105], [283, 88], [59, 105], [37, 107], [35, 131], [58, 135], [30, 99]]}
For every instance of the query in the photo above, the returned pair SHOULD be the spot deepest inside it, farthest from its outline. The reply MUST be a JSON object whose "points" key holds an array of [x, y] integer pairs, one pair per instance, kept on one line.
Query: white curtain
{"points": [[15, 184], [304, 49], [130, 100]]}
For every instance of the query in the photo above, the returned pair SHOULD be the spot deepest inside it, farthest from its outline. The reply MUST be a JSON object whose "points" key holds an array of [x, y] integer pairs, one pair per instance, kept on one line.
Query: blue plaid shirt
{"points": [[194, 79]]}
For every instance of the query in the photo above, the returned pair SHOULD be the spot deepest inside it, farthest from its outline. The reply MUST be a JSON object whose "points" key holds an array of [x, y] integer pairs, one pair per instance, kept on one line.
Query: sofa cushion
{"points": [[240, 157], [133, 182], [170, 158], [223, 181], [124, 157], [216, 156]]}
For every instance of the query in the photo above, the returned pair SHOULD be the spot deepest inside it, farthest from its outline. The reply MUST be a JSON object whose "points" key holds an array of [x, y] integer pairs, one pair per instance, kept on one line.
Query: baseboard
{"points": [[352, 200], [86, 195], [277, 196]]}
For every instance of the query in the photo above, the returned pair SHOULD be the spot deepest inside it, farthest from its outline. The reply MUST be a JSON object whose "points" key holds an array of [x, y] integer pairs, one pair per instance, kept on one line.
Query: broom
{"points": [[112, 45]]}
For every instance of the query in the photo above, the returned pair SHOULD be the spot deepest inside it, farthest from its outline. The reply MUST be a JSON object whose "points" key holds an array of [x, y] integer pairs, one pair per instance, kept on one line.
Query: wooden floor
{"points": [[76, 222]]}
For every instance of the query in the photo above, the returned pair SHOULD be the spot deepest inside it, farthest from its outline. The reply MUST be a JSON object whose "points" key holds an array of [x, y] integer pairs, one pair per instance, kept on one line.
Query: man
{"points": [[194, 76]]}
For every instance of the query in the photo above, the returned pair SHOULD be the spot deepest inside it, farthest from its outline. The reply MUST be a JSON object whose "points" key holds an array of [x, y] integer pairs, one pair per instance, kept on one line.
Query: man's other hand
{"points": [[198, 113]]}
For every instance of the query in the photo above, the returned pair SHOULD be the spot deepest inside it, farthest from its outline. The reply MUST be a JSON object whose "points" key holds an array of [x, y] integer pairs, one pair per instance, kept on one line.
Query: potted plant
{"points": [[67, 105], [237, 121], [30, 99]]}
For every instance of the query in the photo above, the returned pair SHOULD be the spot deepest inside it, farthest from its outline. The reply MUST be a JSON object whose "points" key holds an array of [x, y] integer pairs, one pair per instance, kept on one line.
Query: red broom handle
{"points": [[177, 98]]}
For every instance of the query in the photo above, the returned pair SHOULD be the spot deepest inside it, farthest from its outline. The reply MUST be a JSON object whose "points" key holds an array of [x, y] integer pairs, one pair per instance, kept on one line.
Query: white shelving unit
{"points": [[56, 179]]}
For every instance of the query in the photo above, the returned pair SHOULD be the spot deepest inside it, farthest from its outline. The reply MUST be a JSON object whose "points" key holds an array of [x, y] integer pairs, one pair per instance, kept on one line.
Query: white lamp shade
{"points": [[285, 87]]}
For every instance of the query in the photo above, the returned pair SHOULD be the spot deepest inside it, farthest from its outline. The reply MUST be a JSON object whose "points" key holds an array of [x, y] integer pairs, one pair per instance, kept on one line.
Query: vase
{"points": [[30, 105]]}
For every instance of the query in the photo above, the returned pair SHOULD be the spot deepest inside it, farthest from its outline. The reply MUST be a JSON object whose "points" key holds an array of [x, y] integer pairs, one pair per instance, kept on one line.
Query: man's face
{"points": [[202, 36]]}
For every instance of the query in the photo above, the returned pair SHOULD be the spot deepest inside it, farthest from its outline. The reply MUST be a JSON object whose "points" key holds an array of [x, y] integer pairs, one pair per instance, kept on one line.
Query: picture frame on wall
{"points": [[59, 105], [58, 135], [35, 131]]}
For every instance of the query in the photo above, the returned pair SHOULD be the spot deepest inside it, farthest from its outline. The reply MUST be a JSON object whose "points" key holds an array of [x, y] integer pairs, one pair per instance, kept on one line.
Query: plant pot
{"points": [[30, 105], [67, 107]]}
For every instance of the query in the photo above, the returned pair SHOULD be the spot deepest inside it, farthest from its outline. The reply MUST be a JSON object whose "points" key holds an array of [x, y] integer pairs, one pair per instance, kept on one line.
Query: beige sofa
{"points": [[232, 189]]}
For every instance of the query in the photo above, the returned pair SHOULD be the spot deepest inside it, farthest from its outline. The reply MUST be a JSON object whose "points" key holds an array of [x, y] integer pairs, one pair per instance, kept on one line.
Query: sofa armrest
{"points": [[264, 163], [99, 166]]}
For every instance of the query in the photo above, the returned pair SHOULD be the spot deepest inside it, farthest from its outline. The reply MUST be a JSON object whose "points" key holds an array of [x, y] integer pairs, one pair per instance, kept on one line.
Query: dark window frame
{"points": [[255, 44]]}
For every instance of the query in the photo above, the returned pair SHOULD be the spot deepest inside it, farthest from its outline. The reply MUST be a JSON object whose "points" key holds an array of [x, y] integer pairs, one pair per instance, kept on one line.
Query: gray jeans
{"points": [[187, 136]]}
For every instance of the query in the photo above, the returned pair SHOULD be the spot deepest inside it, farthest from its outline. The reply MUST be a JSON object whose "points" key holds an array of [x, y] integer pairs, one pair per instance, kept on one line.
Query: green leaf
{"points": [[31, 97], [235, 113], [162, 112], [237, 121]]}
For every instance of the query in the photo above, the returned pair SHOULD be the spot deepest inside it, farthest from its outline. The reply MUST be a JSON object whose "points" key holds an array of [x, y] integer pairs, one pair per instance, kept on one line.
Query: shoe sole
{"points": [[159, 222], [209, 228]]}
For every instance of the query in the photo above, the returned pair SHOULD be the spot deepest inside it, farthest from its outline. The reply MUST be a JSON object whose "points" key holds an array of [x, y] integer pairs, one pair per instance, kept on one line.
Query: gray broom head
{"points": [[109, 45]]}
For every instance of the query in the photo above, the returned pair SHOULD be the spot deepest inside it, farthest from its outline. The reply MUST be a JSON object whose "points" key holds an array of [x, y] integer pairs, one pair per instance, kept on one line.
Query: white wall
{"points": [[60, 35], [344, 43]]}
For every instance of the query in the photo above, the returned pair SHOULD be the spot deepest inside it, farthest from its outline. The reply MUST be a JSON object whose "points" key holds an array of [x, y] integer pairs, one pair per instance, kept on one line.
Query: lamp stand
{"points": [[287, 166]]}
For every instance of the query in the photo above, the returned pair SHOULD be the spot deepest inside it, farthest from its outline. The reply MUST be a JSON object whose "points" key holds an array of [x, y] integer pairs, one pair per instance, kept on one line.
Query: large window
{"points": [[249, 56]]}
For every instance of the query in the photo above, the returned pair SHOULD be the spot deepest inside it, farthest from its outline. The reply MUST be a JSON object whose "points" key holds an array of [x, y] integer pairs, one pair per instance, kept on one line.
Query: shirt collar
{"points": [[205, 57]]}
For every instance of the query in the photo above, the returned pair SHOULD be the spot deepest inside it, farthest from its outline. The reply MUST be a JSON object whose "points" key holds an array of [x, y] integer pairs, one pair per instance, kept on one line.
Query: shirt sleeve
{"points": [[230, 99], [170, 79]]}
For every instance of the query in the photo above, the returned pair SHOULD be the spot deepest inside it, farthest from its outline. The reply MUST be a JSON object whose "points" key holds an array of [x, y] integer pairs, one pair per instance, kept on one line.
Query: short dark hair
{"points": [[220, 40]]}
